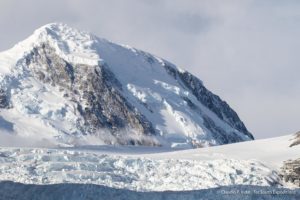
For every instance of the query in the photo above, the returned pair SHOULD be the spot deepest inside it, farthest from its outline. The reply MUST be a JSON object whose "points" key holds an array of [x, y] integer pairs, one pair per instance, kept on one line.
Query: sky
{"points": [[245, 51]]}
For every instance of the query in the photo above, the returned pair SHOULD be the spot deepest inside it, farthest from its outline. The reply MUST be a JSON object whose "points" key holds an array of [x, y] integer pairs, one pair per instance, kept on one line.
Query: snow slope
{"points": [[51, 81], [272, 151]]}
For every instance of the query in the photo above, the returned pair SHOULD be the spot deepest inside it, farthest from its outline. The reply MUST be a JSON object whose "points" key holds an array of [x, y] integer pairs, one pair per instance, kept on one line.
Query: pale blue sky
{"points": [[246, 51]]}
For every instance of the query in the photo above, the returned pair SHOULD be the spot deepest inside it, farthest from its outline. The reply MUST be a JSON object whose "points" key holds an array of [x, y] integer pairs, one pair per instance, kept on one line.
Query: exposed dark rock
{"points": [[94, 89], [190, 104], [208, 99], [4, 102], [296, 141], [171, 71], [219, 133], [290, 171]]}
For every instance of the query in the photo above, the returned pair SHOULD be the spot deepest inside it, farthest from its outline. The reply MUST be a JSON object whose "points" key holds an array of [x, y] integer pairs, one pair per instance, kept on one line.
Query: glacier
{"points": [[234, 171]]}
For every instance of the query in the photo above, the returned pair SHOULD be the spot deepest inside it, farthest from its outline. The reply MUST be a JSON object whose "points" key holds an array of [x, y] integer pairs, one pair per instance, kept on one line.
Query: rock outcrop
{"points": [[291, 171], [94, 89], [4, 102], [296, 140]]}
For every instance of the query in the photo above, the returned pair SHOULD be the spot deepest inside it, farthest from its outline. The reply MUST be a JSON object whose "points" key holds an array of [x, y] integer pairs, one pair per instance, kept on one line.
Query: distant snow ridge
{"points": [[66, 84]]}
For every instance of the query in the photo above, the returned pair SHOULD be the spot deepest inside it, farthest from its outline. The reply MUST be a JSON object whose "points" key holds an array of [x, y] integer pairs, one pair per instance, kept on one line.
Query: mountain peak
{"points": [[61, 31], [55, 26], [73, 45]]}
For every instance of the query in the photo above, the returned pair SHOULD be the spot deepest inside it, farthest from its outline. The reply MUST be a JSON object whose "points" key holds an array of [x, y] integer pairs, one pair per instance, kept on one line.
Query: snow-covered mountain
{"points": [[73, 86]]}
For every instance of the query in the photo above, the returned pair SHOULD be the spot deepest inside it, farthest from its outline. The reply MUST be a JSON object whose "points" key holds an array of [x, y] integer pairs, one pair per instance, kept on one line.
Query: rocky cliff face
{"points": [[94, 90], [211, 101], [296, 140], [71, 84]]}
